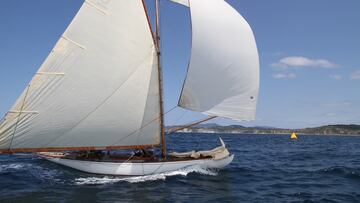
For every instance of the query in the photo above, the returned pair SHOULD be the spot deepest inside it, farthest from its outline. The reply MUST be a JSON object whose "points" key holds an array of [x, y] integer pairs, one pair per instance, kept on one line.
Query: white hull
{"points": [[217, 158], [139, 169]]}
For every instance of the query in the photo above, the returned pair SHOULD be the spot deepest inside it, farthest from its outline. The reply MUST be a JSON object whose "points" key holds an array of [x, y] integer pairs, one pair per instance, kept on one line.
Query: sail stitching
{"points": [[73, 42], [50, 73], [96, 7], [28, 112]]}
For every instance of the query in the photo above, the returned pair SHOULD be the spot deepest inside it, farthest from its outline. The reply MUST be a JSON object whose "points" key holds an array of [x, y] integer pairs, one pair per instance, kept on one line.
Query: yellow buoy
{"points": [[293, 136]]}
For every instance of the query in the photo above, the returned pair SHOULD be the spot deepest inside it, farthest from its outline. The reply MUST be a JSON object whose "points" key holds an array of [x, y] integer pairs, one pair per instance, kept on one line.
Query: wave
{"points": [[13, 167], [342, 171], [46, 174], [139, 179], [36, 171]]}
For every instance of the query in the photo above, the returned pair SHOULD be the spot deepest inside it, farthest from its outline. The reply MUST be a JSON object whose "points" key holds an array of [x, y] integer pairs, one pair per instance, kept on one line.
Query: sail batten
{"points": [[98, 85], [223, 73]]}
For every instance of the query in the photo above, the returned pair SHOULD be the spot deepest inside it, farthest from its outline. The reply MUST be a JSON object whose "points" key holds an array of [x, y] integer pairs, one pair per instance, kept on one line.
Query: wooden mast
{"points": [[158, 45]]}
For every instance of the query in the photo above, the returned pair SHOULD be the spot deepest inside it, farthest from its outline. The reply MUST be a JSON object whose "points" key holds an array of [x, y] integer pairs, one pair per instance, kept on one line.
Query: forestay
{"points": [[97, 88], [223, 73]]}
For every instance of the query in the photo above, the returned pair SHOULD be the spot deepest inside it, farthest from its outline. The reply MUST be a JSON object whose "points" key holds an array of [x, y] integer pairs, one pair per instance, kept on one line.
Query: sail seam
{"points": [[50, 73], [96, 7], [28, 112], [72, 41]]}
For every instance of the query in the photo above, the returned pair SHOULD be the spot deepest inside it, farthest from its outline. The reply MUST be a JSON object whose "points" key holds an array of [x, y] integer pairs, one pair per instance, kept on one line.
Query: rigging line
{"points": [[151, 81], [155, 171], [104, 101], [19, 117], [170, 110], [179, 118], [129, 158], [153, 120], [191, 124]]}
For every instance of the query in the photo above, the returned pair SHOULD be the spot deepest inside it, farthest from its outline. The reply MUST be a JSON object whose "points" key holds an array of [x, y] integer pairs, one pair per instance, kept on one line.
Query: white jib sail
{"points": [[97, 88], [223, 74]]}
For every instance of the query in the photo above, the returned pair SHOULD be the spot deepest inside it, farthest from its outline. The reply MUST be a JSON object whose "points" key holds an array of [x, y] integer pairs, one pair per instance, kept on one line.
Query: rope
{"points": [[129, 158], [19, 117], [179, 118]]}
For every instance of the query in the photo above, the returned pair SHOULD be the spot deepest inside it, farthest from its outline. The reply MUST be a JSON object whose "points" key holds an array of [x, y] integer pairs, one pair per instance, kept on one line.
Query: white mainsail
{"points": [[98, 87], [223, 73]]}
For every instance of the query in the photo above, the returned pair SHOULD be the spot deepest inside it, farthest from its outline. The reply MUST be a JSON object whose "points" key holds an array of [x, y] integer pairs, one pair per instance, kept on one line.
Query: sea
{"points": [[266, 168]]}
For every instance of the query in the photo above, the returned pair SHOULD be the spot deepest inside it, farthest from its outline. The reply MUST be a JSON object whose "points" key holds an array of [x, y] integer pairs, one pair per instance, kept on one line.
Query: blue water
{"points": [[265, 169]]}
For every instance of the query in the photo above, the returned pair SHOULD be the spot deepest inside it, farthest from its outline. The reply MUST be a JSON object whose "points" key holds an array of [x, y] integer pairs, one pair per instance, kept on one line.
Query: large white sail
{"points": [[223, 73], [98, 87]]}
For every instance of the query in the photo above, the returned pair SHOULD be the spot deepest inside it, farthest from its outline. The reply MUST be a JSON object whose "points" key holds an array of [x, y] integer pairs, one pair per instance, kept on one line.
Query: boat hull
{"points": [[139, 169]]}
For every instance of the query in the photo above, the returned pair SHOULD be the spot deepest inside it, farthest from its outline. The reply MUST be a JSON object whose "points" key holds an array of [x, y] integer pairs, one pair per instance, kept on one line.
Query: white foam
{"points": [[10, 167], [138, 179], [45, 174]]}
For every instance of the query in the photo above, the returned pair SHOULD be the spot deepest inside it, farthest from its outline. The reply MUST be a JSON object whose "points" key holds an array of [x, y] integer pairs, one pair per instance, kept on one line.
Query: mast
{"points": [[162, 127]]}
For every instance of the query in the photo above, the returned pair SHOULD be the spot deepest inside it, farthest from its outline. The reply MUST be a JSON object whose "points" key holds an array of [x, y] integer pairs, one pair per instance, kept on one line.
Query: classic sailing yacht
{"points": [[100, 89]]}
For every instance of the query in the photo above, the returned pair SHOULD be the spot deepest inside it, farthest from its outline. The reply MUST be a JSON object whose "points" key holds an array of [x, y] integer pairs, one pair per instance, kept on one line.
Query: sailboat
{"points": [[100, 89], [293, 136]]}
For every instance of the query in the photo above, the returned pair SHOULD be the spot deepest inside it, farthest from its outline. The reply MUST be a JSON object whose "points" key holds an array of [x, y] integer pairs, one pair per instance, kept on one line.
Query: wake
{"points": [[139, 179]]}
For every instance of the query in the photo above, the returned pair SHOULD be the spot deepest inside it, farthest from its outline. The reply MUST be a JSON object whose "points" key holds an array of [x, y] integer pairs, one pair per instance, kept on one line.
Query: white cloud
{"points": [[355, 75], [300, 61], [284, 75], [337, 104], [336, 77]]}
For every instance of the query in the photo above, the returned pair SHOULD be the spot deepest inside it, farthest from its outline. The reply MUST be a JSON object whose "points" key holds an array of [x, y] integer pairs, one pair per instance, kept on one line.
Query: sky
{"points": [[309, 56]]}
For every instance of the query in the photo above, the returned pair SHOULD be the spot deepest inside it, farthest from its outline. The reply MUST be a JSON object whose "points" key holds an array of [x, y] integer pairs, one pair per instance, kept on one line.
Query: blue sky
{"points": [[309, 55]]}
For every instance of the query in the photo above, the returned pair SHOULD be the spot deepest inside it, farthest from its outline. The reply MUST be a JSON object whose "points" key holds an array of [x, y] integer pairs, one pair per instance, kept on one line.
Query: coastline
{"points": [[269, 134], [333, 130]]}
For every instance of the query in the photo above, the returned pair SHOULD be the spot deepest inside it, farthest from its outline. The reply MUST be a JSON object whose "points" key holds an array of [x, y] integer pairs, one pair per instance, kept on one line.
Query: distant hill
{"points": [[238, 129]]}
